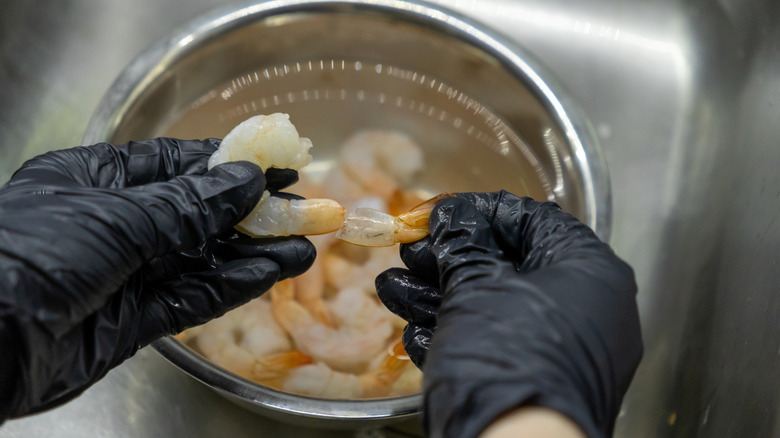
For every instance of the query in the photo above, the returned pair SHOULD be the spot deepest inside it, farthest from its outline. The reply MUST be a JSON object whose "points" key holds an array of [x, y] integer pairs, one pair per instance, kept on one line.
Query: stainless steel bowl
{"points": [[487, 115]]}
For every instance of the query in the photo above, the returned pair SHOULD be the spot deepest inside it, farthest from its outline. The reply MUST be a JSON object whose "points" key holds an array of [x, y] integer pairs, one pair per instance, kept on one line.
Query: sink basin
{"points": [[684, 97]]}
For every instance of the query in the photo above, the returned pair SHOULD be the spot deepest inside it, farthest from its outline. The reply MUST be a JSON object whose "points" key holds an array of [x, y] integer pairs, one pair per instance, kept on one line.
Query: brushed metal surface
{"points": [[684, 96]]}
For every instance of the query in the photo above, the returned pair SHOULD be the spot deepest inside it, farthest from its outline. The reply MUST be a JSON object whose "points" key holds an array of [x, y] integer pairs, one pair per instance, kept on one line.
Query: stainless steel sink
{"points": [[685, 97]]}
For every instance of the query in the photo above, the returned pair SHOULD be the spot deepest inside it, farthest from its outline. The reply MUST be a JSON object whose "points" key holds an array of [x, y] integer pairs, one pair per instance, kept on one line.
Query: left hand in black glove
{"points": [[104, 249]]}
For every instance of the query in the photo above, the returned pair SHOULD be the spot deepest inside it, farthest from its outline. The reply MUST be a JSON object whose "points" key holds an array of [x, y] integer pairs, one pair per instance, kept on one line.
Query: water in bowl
{"points": [[466, 147]]}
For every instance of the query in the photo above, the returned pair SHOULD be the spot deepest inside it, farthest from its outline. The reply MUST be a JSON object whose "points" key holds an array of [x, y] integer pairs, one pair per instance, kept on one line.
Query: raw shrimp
{"points": [[342, 272], [374, 163], [369, 227], [319, 380], [234, 340], [309, 289], [272, 369], [362, 327], [274, 216], [408, 382], [268, 141], [272, 141], [381, 161]]}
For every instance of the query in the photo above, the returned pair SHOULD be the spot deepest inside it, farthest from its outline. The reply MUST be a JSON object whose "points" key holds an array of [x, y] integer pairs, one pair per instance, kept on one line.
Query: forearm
{"points": [[533, 422]]}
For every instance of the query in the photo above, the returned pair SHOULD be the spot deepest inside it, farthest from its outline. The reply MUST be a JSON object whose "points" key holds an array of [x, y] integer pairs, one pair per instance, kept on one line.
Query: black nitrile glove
{"points": [[512, 303], [104, 249]]}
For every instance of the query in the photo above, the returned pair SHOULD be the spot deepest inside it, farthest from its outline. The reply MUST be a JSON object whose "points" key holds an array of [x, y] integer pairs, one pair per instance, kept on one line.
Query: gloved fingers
{"points": [[278, 179], [408, 296], [109, 166], [184, 212], [196, 298], [173, 265], [160, 159], [536, 234], [418, 257], [293, 254], [417, 341], [463, 244]]}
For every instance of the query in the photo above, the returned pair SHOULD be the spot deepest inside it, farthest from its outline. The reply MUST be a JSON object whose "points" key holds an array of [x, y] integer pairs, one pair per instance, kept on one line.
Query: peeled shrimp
{"points": [[235, 340], [273, 369], [309, 290], [374, 163], [272, 141], [268, 141], [274, 216], [362, 327], [369, 227], [408, 382], [341, 271], [380, 160], [321, 381]]}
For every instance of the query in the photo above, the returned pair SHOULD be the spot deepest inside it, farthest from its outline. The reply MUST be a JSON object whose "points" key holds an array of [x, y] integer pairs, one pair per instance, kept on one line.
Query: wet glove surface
{"points": [[104, 249], [512, 302]]}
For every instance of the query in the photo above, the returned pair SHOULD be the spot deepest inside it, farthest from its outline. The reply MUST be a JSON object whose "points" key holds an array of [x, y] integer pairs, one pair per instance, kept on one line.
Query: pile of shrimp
{"points": [[325, 333]]}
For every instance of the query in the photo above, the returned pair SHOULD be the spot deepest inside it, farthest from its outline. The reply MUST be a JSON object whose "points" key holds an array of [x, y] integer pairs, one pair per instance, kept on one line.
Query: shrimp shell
{"points": [[369, 227]]}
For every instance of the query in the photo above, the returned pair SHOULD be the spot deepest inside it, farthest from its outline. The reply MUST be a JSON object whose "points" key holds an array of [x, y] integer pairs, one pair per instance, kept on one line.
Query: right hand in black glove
{"points": [[513, 303], [104, 249]]}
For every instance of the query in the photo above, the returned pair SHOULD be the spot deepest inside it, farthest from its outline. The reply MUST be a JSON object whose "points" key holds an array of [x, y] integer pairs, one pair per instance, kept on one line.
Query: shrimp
{"points": [[272, 141], [272, 369], [268, 141], [362, 327], [309, 289], [373, 163], [342, 272], [237, 338], [408, 382], [381, 161], [319, 380], [369, 227], [274, 216]]}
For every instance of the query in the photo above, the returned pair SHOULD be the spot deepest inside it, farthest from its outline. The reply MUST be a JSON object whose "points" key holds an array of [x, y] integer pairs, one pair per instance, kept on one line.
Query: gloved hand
{"points": [[510, 303], [104, 249]]}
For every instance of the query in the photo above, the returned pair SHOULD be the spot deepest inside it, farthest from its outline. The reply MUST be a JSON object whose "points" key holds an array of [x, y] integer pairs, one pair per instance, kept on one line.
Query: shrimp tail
{"points": [[379, 382], [272, 369], [369, 227], [414, 223]]}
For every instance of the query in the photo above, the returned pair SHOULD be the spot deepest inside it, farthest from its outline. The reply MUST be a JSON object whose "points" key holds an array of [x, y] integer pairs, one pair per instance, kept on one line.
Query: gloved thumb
{"points": [[184, 212], [463, 244]]}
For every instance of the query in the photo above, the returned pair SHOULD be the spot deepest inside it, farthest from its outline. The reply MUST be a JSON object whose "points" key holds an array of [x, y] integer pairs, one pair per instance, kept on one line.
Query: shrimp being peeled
{"points": [[369, 227], [272, 141], [274, 216]]}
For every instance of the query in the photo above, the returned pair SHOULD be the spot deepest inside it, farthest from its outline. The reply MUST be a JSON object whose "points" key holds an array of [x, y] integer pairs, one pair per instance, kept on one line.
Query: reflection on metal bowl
{"points": [[485, 114]]}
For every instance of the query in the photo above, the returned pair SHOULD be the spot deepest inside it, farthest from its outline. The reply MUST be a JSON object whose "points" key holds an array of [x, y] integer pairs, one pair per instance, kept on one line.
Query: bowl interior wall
{"points": [[480, 126]]}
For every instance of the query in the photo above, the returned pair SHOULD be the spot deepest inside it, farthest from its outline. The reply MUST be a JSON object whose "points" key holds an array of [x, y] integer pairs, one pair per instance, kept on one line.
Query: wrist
{"points": [[9, 371], [533, 421]]}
